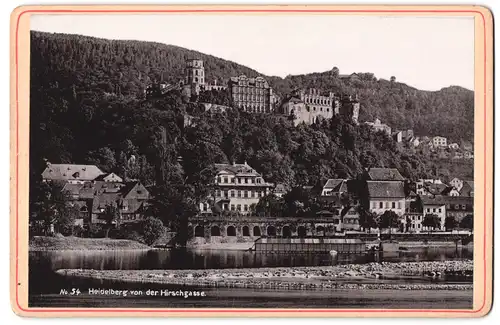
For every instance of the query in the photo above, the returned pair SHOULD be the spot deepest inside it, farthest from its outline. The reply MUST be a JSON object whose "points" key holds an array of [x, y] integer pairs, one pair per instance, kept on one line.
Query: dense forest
{"points": [[125, 68]]}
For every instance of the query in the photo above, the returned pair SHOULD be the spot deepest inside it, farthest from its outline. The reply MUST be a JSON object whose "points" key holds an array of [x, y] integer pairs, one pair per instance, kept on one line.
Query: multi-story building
{"points": [[434, 205], [439, 141], [311, 106], [459, 207], [385, 190], [253, 95], [238, 187], [379, 126]]}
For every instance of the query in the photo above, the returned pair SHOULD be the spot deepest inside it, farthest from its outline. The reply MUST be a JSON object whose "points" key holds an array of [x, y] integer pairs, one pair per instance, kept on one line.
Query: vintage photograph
{"points": [[251, 161]]}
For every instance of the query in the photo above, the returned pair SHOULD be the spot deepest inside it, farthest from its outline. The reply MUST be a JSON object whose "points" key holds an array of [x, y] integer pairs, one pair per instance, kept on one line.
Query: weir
{"points": [[310, 245]]}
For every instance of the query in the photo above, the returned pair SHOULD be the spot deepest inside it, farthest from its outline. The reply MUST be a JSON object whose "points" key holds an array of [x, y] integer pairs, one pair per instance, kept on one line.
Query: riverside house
{"points": [[385, 190]]}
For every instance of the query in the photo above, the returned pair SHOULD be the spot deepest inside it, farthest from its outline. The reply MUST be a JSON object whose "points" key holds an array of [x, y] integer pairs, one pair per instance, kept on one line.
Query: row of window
{"points": [[200, 72], [239, 194], [200, 79], [249, 98], [388, 205], [434, 210], [318, 101], [258, 88], [238, 180], [253, 108], [315, 109]]}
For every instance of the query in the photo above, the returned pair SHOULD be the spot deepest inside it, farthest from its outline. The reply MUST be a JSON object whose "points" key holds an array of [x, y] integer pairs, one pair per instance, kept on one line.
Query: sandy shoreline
{"points": [[351, 276]]}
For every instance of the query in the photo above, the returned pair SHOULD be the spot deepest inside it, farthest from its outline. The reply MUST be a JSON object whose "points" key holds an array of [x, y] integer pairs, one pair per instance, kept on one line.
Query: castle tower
{"points": [[195, 75]]}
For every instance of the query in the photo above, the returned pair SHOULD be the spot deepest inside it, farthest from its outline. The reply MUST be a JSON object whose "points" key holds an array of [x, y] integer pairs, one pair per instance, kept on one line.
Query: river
{"points": [[45, 284]]}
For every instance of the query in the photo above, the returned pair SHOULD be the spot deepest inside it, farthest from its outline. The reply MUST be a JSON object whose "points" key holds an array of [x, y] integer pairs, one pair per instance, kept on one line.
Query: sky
{"points": [[425, 52]]}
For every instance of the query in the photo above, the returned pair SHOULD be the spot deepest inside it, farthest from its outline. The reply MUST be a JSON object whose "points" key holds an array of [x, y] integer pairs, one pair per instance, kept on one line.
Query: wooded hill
{"points": [[87, 107], [127, 67]]}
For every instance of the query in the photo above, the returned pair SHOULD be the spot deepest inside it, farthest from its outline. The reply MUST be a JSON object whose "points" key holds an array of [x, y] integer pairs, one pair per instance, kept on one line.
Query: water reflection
{"points": [[202, 259]]}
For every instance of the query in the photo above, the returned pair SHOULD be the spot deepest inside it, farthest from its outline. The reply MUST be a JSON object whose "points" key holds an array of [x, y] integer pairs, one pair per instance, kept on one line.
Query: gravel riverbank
{"points": [[42, 243], [351, 276]]}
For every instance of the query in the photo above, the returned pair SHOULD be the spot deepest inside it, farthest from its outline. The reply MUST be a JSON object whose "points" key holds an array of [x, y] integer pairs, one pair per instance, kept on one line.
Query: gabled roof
{"points": [[447, 200], [333, 183], [381, 189], [437, 189], [237, 169], [108, 175], [71, 172], [384, 174], [467, 188], [73, 189]]}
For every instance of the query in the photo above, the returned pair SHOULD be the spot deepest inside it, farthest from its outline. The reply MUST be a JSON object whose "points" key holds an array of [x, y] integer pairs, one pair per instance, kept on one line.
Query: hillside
{"points": [[126, 67], [86, 107]]}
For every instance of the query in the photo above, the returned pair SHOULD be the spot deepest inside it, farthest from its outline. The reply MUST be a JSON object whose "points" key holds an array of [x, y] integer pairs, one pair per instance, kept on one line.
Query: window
{"points": [[254, 194], [457, 206], [258, 180], [246, 194], [381, 205], [429, 210], [232, 193], [225, 206], [238, 207], [439, 210], [239, 193], [463, 207], [224, 180], [217, 193], [433, 209], [387, 205], [394, 205], [226, 194], [232, 207], [245, 207]]}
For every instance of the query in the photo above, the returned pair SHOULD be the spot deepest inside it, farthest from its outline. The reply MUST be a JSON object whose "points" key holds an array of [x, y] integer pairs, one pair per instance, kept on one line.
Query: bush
{"points": [[78, 231], [152, 230], [96, 231]]}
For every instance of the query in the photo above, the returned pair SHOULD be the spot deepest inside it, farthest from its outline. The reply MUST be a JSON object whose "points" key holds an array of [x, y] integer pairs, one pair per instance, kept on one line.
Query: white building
{"points": [[439, 141], [237, 188]]}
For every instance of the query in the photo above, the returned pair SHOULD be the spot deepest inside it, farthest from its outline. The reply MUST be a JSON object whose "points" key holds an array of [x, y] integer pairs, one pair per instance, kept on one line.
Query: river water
{"points": [[45, 284]]}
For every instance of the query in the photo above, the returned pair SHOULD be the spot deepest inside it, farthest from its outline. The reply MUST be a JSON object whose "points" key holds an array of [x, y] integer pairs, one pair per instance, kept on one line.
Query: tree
{"points": [[431, 221], [467, 222], [50, 207], [111, 215], [152, 230], [269, 206], [335, 72], [367, 219], [450, 223], [388, 220]]}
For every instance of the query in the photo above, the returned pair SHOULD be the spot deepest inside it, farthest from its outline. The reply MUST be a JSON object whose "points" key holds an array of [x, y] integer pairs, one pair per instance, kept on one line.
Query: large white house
{"points": [[237, 188]]}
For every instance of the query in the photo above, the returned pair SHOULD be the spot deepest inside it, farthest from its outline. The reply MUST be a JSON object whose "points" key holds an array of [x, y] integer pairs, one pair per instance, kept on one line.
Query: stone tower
{"points": [[195, 75]]}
